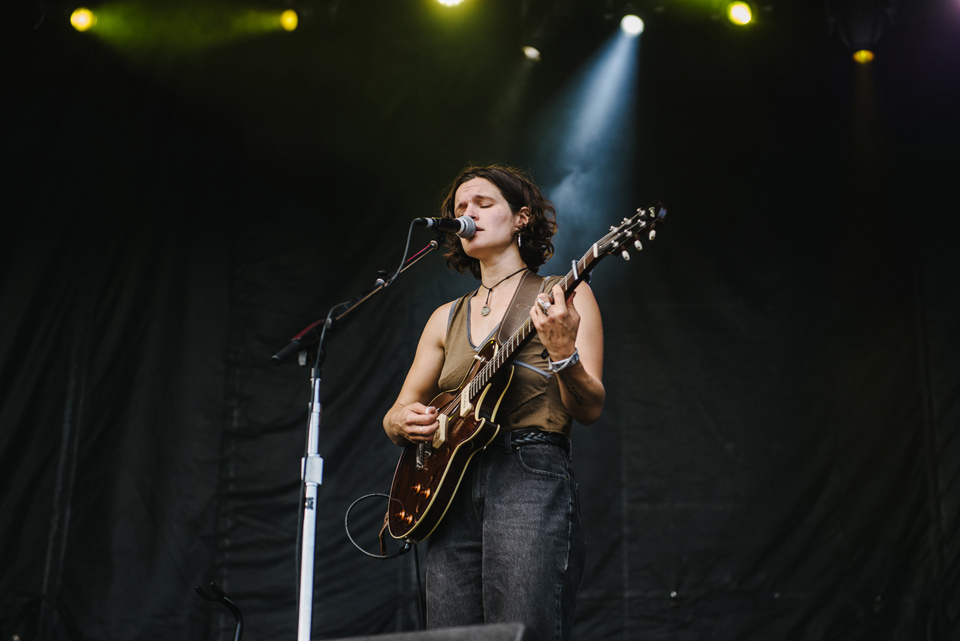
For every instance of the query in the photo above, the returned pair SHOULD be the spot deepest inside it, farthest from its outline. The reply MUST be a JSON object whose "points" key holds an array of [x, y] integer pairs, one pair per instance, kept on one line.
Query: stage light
{"points": [[289, 20], [532, 53], [83, 19], [859, 25], [632, 25], [863, 56], [142, 31], [449, 3], [739, 13]]}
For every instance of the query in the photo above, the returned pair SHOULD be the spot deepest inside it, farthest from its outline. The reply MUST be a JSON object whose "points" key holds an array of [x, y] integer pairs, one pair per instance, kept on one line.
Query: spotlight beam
{"points": [[585, 141]]}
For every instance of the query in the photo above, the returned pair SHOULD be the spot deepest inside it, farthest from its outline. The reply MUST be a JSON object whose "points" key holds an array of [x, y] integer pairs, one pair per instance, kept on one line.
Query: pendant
{"points": [[484, 311]]}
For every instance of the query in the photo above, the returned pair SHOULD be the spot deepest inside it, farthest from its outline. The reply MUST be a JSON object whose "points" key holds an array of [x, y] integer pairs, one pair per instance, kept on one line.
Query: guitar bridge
{"points": [[423, 451]]}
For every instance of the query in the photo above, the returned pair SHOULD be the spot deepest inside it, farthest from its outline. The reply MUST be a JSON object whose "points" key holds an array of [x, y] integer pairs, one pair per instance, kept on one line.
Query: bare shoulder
{"points": [[585, 295], [436, 329]]}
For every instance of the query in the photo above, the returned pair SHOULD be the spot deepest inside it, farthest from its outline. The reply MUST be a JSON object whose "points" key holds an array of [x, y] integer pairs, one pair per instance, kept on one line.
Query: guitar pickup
{"points": [[465, 405], [440, 436]]}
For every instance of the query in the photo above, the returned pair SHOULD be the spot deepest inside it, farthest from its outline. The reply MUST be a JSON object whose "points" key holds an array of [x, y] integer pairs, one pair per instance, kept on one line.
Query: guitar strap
{"points": [[519, 310]]}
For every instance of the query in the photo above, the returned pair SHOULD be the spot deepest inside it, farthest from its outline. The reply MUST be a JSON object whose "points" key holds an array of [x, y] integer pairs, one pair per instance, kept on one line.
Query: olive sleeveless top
{"points": [[533, 398]]}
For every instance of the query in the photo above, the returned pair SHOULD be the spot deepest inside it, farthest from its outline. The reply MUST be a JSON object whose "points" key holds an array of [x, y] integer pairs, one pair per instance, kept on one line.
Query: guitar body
{"points": [[428, 475]]}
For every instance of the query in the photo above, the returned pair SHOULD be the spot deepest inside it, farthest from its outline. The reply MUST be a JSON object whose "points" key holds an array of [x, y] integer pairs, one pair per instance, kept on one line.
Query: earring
{"points": [[519, 236]]}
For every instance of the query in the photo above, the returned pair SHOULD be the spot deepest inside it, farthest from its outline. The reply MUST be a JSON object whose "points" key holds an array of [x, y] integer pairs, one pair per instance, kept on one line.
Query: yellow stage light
{"points": [[289, 20], [82, 19], [450, 3], [863, 56], [739, 13], [532, 53]]}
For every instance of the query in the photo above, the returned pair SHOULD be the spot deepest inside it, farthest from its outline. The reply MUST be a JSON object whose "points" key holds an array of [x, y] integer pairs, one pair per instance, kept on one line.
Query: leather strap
{"points": [[519, 310], [531, 436]]}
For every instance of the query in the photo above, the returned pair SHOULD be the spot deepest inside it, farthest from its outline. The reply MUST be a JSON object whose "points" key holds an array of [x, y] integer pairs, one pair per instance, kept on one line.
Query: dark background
{"points": [[778, 456]]}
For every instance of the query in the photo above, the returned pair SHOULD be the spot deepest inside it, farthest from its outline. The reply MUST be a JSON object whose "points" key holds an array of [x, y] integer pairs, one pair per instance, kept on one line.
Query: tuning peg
{"points": [[626, 255], [653, 234], [637, 244]]}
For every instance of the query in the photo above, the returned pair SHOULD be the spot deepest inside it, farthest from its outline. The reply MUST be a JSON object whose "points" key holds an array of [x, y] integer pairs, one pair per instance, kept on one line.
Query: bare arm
{"points": [[566, 327], [410, 420]]}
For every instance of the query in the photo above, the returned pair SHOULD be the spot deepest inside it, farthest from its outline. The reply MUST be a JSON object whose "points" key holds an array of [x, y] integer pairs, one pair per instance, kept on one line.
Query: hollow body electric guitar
{"points": [[428, 474]]}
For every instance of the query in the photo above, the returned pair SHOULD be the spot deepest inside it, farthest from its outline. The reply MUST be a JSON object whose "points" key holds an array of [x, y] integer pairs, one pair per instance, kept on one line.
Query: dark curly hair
{"points": [[519, 190]]}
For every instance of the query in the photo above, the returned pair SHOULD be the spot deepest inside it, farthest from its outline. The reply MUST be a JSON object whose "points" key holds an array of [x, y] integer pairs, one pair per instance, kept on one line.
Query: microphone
{"points": [[464, 227]]}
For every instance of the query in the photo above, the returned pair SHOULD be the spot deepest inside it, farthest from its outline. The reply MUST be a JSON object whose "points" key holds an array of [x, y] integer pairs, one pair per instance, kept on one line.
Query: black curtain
{"points": [[778, 456]]}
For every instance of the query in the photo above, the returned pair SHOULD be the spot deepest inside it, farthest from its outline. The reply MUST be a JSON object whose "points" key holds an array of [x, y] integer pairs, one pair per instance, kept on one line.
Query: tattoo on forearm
{"points": [[577, 396]]}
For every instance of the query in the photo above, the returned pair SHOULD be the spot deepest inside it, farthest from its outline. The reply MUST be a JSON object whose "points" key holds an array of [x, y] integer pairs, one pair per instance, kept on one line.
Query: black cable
{"points": [[216, 594], [407, 545], [406, 250]]}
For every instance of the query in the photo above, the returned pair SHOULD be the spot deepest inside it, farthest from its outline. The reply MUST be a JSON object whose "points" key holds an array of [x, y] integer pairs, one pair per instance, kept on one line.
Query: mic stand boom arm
{"points": [[309, 335], [311, 467]]}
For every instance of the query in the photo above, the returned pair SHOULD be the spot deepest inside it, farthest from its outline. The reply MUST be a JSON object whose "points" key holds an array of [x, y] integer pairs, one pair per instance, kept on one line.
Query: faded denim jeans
{"points": [[510, 548]]}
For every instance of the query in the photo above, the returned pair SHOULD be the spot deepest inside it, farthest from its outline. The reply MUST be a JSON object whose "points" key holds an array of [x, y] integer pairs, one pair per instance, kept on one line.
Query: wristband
{"points": [[573, 359]]}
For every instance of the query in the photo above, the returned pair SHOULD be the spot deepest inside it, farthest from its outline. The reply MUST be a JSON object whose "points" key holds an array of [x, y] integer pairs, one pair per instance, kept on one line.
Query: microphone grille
{"points": [[467, 227]]}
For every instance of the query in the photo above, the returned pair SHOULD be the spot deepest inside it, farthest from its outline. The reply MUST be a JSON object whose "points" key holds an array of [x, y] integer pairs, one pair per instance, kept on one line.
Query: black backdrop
{"points": [[778, 457]]}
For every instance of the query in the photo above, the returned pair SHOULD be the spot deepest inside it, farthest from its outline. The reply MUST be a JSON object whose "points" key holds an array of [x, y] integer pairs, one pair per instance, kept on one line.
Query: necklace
{"points": [[486, 305]]}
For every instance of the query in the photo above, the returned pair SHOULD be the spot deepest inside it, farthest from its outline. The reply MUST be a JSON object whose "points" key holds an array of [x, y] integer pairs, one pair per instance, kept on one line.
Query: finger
{"points": [[542, 303], [427, 428], [418, 432], [559, 300], [424, 416], [537, 317], [417, 408]]}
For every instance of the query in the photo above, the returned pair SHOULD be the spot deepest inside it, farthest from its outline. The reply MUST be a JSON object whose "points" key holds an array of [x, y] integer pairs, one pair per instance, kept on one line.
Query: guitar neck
{"points": [[645, 220]]}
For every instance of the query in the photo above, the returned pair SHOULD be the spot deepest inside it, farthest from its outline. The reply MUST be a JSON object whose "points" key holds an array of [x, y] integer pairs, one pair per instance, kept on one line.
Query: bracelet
{"points": [[573, 359]]}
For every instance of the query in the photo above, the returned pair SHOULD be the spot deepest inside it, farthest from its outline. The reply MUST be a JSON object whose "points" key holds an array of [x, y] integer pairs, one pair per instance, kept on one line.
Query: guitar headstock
{"points": [[627, 234]]}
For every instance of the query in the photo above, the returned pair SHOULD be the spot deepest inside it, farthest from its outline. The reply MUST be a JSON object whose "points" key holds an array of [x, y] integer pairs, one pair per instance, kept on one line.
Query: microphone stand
{"points": [[307, 343]]}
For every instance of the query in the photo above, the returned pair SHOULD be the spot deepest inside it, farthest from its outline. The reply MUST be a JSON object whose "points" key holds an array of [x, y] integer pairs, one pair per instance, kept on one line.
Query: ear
{"points": [[523, 217]]}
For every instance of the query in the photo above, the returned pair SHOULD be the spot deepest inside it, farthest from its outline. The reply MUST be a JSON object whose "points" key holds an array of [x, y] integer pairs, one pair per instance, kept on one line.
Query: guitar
{"points": [[428, 474]]}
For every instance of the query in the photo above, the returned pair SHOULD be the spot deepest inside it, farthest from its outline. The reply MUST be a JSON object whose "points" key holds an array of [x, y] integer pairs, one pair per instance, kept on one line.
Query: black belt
{"points": [[518, 438]]}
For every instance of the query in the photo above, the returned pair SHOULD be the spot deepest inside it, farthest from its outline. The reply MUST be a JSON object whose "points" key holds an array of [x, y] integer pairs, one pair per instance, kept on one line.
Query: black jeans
{"points": [[510, 548]]}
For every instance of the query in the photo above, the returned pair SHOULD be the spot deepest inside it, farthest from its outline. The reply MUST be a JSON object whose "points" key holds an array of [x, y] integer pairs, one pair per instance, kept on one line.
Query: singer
{"points": [[510, 547]]}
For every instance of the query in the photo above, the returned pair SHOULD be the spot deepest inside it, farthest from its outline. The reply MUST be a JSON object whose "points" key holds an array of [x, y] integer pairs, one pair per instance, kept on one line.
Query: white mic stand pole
{"points": [[306, 344]]}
